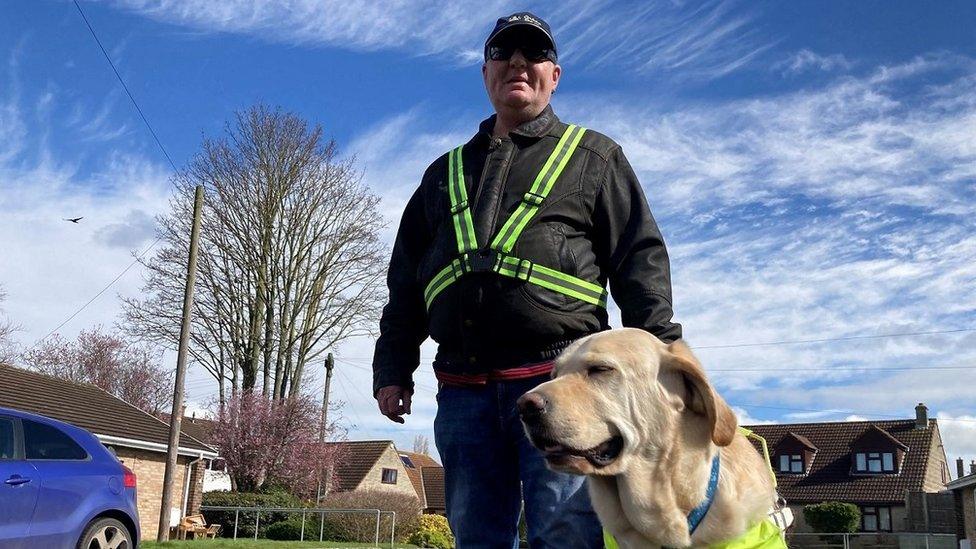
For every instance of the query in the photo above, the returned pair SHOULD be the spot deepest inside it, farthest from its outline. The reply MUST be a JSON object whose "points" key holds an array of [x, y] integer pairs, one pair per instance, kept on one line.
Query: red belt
{"points": [[508, 374]]}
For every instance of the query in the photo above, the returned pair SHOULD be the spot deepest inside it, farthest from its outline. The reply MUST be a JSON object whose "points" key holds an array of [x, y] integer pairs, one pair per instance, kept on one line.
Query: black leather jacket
{"points": [[595, 224]]}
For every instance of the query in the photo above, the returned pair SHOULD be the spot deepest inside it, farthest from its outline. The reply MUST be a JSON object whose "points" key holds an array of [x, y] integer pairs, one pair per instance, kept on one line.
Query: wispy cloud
{"points": [[806, 60], [833, 211], [690, 41]]}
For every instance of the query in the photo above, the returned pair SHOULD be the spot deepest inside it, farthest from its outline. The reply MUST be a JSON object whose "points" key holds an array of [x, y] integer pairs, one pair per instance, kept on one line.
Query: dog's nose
{"points": [[532, 404]]}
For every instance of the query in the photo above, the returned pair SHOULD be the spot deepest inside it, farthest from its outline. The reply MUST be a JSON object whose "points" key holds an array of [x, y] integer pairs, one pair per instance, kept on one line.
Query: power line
{"points": [[786, 341], [124, 87], [845, 368], [831, 339], [161, 148], [96, 296], [849, 412]]}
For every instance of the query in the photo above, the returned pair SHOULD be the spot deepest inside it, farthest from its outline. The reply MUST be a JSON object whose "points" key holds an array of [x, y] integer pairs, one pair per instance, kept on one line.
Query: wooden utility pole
{"points": [[329, 365], [176, 417]]}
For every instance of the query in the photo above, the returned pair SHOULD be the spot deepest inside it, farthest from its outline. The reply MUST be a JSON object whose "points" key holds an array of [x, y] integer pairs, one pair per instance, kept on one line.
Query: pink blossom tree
{"points": [[274, 443], [129, 371]]}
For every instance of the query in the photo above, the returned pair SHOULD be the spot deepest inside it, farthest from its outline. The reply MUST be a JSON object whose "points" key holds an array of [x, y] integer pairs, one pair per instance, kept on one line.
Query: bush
{"points": [[245, 525], [432, 531], [361, 527], [286, 530], [833, 517]]}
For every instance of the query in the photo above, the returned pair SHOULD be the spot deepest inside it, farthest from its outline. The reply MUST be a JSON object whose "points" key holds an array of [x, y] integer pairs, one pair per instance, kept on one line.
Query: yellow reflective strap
{"points": [[512, 228], [765, 449], [460, 209], [554, 280]]}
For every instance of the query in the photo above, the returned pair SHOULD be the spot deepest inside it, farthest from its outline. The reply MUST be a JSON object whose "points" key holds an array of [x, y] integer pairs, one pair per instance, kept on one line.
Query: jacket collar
{"points": [[546, 123]]}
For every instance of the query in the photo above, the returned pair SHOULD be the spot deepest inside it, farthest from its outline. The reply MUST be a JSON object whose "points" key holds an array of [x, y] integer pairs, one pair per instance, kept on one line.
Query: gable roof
{"points": [[112, 419], [417, 462], [874, 433], [356, 459], [829, 477], [197, 427], [800, 439], [433, 478]]}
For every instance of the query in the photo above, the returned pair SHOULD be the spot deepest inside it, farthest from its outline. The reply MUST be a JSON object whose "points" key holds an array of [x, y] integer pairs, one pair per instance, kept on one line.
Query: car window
{"points": [[6, 438], [46, 442]]}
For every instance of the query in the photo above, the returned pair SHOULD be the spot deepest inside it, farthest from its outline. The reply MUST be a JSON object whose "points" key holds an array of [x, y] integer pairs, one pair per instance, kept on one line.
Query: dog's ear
{"points": [[703, 399]]}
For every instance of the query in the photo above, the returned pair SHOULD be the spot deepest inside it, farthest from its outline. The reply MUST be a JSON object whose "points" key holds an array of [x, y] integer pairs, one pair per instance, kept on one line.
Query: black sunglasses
{"points": [[533, 54]]}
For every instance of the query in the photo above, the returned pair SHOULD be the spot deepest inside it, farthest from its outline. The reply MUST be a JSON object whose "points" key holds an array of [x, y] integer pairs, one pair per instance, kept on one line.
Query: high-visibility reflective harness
{"points": [[497, 256]]}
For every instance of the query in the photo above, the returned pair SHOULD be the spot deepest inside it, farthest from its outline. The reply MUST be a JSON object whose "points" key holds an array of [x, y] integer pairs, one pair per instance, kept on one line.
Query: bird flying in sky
{"points": [[74, 219]]}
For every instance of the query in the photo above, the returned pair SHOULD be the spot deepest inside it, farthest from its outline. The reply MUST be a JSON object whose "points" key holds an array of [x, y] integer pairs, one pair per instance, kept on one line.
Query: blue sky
{"points": [[811, 164]]}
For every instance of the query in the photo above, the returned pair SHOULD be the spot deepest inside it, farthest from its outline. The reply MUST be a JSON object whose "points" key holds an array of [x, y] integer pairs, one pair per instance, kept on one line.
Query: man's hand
{"points": [[394, 401]]}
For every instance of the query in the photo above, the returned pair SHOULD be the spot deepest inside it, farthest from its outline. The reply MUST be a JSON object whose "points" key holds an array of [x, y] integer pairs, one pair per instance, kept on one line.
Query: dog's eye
{"points": [[598, 369]]}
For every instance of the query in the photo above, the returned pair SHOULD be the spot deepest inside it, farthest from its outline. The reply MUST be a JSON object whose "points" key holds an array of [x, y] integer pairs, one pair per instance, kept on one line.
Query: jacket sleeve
{"points": [[403, 324], [633, 252]]}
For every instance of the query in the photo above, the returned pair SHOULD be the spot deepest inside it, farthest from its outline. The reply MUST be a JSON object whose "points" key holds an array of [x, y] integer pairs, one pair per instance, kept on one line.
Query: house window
{"points": [[876, 519], [874, 462], [791, 463], [389, 476]]}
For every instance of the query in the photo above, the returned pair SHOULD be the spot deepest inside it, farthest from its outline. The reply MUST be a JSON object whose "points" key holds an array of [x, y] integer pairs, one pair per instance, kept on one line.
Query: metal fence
{"points": [[879, 540], [306, 512]]}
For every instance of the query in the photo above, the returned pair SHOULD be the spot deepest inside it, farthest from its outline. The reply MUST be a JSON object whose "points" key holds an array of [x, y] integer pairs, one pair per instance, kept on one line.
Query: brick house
{"points": [[371, 465], [964, 492], [137, 438], [872, 464], [215, 475], [427, 477]]}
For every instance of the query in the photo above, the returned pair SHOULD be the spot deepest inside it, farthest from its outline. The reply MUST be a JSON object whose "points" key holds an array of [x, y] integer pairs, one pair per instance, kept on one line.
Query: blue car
{"points": [[61, 488]]}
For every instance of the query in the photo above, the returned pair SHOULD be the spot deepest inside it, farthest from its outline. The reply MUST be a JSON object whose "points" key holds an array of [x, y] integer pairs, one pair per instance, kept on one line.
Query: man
{"points": [[502, 257]]}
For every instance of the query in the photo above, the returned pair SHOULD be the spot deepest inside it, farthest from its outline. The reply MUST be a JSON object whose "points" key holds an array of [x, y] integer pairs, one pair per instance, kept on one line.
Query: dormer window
{"points": [[874, 462], [795, 454], [791, 463], [876, 452]]}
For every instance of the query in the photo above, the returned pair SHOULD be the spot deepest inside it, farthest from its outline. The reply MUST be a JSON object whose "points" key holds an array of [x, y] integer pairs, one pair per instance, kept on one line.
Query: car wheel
{"points": [[105, 533]]}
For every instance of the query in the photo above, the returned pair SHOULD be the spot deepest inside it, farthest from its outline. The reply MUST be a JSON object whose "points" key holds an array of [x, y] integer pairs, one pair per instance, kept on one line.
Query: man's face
{"points": [[519, 84]]}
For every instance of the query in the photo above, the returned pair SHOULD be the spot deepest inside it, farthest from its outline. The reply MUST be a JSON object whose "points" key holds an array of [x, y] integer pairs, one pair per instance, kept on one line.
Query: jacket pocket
{"points": [[548, 246]]}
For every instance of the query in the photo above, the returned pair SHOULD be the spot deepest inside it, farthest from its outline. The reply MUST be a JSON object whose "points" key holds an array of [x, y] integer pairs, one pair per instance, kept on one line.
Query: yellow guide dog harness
{"points": [[497, 257], [764, 535]]}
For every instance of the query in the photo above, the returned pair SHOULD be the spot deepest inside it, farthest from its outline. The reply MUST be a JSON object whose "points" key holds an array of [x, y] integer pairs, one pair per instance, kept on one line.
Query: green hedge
{"points": [[245, 525], [833, 517]]}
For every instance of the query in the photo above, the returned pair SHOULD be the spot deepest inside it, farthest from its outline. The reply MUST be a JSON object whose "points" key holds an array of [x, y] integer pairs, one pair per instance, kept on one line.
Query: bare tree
{"points": [[128, 371], [8, 347], [421, 445], [290, 260]]}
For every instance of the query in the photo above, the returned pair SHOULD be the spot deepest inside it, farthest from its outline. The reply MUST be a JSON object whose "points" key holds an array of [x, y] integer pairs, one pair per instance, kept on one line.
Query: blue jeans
{"points": [[489, 464]]}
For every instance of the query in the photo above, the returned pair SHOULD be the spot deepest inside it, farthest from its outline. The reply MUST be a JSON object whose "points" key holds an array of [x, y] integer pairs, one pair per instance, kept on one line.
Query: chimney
{"points": [[960, 468], [921, 416], [972, 467]]}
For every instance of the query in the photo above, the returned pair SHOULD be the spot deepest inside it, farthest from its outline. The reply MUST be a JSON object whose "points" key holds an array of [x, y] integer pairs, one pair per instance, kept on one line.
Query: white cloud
{"points": [[806, 60], [827, 212], [707, 40]]}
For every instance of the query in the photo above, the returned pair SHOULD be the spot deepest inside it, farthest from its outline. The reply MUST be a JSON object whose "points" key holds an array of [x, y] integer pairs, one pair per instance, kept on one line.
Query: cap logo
{"points": [[526, 18]]}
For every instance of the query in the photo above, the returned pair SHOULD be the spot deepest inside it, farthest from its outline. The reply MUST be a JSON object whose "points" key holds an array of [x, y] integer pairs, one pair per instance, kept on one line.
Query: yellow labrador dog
{"points": [[642, 421]]}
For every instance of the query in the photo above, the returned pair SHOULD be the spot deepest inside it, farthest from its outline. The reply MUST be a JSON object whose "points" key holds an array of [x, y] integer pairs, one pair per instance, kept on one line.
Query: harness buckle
{"points": [[533, 199], [524, 270], [460, 206], [483, 260]]}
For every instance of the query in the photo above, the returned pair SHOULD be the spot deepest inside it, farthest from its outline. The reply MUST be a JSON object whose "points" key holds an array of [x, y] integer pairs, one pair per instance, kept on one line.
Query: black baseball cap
{"points": [[522, 22]]}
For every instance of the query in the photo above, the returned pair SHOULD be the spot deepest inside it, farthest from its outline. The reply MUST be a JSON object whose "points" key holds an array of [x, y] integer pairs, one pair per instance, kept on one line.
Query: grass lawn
{"points": [[221, 543]]}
